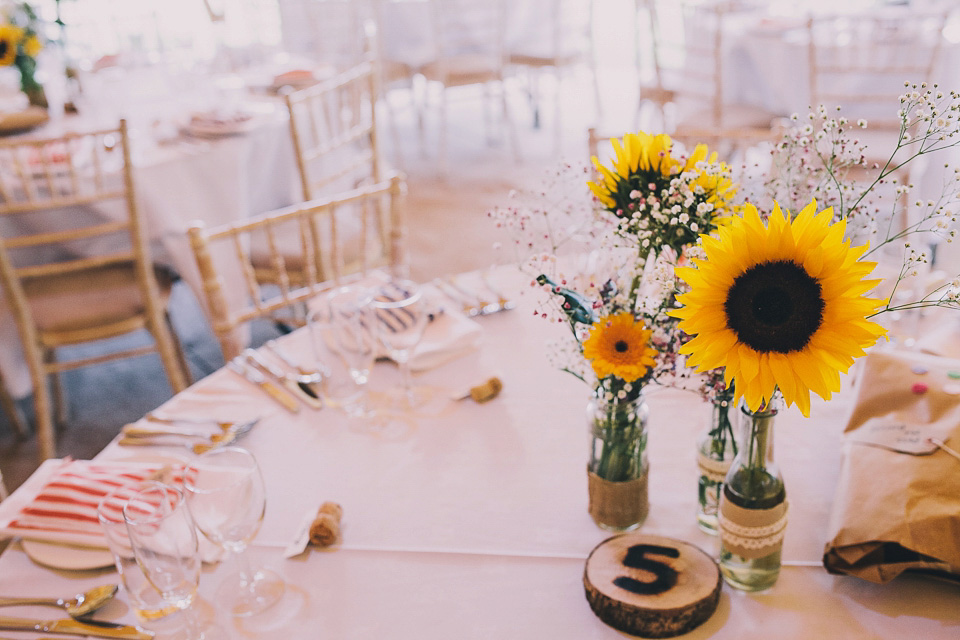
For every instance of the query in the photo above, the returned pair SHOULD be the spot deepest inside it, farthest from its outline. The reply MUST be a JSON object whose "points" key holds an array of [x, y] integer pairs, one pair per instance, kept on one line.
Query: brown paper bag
{"points": [[897, 505]]}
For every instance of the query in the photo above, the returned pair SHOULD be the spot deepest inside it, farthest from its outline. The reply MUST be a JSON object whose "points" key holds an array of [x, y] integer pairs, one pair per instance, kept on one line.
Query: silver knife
{"points": [[253, 376], [71, 627], [301, 390]]}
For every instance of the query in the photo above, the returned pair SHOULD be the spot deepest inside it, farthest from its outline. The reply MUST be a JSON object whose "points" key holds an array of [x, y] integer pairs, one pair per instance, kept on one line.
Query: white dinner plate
{"points": [[61, 556]]}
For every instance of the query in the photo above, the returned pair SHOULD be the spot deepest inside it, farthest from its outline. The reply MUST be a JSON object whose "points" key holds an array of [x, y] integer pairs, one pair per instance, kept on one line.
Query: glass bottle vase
{"points": [[753, 506], [617, 469], [716, 449]]}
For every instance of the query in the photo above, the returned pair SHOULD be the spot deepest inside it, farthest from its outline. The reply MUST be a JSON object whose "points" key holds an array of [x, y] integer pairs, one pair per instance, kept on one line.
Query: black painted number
{"points": [[637, 558]]}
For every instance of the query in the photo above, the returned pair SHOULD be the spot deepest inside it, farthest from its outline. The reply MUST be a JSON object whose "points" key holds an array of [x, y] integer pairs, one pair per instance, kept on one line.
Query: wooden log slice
{"points": [[651, 586]]}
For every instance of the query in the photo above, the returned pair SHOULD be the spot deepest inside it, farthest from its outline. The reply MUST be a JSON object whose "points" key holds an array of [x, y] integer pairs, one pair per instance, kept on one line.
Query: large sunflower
{"points": [[779, 305], [619, 346], [10, 37]]}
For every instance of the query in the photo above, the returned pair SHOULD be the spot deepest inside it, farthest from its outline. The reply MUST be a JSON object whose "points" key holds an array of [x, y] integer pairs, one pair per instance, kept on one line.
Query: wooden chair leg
{"points": [[13, 412], [46, 437], [60, 405], [171, 355]]}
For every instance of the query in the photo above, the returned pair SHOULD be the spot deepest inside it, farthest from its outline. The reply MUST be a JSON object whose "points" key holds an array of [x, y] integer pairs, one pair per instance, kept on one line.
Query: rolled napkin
{"points": [[59, 503], [897, 504]]}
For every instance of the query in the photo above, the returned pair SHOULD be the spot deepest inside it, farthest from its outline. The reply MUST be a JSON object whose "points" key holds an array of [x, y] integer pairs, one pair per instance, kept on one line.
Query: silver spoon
{"points": [[80, 605]]}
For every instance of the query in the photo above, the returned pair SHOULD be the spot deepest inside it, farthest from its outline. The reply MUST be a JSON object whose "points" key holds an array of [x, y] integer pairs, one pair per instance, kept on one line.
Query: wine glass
{"points": [[146, 600], [164, 542], [227, 498], [341, 326], [402, 314]]}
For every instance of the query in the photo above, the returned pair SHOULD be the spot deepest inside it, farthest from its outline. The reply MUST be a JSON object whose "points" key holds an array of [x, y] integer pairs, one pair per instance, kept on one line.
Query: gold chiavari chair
{"points": [[74, 260], [706, 115], [334, 129], [559, 42], [345, 235], [468, 50]]}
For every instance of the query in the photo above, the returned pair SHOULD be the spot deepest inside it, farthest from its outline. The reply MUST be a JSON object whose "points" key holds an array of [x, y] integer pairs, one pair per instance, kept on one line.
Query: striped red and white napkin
{"points": [[60, 505]]}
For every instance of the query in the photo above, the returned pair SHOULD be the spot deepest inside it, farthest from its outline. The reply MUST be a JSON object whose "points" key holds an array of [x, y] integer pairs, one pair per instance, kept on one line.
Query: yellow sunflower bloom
{"points": [[635, 153], [619, 346], [779, 305], [10, 37]]}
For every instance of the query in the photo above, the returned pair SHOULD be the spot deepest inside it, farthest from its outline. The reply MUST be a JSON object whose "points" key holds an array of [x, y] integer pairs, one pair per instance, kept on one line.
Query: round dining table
{"points": [[468, 520]]}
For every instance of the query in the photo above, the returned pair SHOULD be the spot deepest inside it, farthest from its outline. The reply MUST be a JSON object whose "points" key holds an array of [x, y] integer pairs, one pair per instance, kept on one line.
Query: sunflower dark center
{"points": [[4, 47], [775, 307], [621, 346]]}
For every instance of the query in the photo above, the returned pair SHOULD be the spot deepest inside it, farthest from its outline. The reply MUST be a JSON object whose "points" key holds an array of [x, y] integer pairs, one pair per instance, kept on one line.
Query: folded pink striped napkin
{"points": [[62, 505]]}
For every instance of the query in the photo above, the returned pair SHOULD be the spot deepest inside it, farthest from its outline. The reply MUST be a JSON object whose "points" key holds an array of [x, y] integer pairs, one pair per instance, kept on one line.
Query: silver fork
{"points": [[504, 302], [484, 306], [469, 306], [133, 436], [153, 416]]}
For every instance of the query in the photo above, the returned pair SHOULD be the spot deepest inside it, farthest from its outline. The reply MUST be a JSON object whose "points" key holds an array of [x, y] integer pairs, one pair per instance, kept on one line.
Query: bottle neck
{"points": [[756, 436]]}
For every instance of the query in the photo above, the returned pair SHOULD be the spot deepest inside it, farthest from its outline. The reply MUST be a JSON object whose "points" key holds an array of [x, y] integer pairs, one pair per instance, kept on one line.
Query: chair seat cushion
{"points": [[463, 69], [91, 298], [734, 117]]}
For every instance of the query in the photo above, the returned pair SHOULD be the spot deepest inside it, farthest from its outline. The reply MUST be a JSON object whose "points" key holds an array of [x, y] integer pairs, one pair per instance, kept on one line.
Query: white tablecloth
{"points": [[472, 523]]}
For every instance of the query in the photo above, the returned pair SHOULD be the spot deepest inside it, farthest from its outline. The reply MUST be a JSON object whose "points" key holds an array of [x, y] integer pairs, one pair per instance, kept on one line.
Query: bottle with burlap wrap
{"points": [[753, 506], [716, 449], [617, 469]]}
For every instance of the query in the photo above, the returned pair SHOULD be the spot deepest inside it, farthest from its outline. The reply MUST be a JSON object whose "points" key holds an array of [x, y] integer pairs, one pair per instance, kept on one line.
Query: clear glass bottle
{"points": [[617, 466], [716, 449], [753, 506]]}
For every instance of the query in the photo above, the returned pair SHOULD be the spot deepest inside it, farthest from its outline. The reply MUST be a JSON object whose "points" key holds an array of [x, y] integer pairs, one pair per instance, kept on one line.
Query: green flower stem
{"points": [[621, 431]]}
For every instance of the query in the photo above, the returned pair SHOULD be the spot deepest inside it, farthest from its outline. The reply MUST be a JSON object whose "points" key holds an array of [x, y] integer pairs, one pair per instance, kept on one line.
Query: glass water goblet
{"points": [[164, 541], [227, 498], [341, 329], [402, 314]]}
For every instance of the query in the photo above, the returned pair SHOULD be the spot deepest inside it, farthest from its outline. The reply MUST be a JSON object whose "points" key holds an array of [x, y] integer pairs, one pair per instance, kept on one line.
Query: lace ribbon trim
{"points": [[754, 537], [714, 470]]}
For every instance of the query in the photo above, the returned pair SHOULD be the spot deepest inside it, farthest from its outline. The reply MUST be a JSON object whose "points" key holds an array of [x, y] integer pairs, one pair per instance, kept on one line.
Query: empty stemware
{"points": [[402, 314], [227, 498], [341, 328], [164, 541]]}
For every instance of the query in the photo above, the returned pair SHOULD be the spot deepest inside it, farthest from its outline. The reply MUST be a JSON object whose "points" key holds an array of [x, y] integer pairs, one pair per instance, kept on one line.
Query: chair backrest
{"points": [[861, 62], [700, 41], [467, 30], [277, 260], [334, 129], [649, 41], [67, 206], [333, 29], [562, 34]]}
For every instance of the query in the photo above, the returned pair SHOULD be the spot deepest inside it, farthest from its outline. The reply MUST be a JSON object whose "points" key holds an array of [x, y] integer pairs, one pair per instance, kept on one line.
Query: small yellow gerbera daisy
{"points": [[10, 36], [779, 305], [619, 346]]}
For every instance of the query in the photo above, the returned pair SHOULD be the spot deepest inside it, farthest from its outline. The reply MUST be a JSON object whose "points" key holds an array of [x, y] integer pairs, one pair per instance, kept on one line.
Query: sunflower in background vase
{"points": [[19, 46], [780, 306]]}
